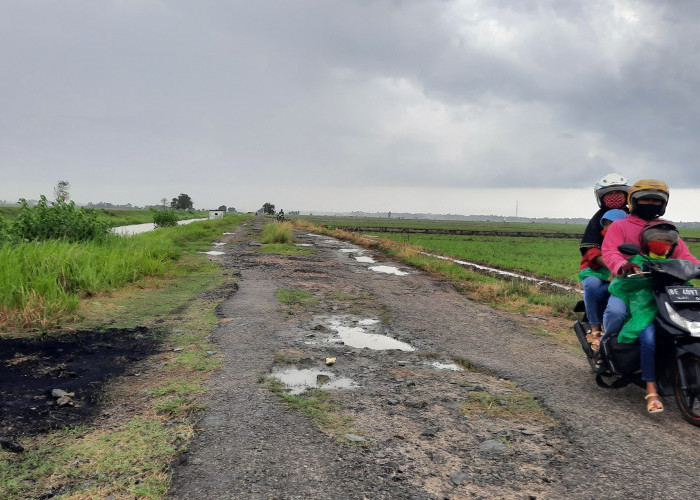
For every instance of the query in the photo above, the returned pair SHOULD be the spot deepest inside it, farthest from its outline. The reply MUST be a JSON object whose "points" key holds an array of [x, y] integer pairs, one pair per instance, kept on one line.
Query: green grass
{"points": [[44, 282], [131, 459], [553, 257], [116, 217], [290, 297], [137, 454], [495, 225], [277, 232], [285, 249], [316, 404]]}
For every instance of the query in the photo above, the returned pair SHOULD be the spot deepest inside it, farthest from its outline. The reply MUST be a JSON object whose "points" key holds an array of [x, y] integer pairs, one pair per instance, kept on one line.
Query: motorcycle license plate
{"points": [[683, 294]]}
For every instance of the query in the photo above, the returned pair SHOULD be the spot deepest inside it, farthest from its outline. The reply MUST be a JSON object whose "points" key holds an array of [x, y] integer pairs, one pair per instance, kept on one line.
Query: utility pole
{"points": [[516, 209]]}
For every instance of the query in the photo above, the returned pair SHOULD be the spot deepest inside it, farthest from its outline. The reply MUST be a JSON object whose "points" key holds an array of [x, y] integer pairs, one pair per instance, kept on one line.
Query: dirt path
{"points": [[419, 438]]}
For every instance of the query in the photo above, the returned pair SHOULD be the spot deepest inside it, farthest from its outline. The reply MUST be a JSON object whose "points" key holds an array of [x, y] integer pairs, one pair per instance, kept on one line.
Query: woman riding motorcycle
{"points": [[647, 199]]}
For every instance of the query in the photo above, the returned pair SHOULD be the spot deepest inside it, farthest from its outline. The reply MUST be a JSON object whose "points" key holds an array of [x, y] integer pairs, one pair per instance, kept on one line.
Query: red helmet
{"points": [[659, 230]]}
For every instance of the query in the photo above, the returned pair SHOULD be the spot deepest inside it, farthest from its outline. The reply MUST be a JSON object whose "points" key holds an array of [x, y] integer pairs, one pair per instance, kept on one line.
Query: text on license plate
{"points": [[680, 294]]}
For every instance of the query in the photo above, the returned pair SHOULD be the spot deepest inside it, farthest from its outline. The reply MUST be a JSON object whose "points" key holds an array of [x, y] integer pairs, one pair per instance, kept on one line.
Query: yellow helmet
{"points": [[648, 188]]}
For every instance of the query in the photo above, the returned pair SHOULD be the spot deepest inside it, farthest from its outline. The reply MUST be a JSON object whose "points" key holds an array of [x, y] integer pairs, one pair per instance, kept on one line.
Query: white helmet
{"points": [[609, 183]]}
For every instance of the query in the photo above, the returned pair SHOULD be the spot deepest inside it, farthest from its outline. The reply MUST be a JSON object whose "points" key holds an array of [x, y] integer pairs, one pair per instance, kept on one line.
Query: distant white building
{"points": [[216, 214]]}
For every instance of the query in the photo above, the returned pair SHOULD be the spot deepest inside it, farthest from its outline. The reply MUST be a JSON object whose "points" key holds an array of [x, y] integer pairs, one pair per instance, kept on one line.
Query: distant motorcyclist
{"points": [[280, 215]]}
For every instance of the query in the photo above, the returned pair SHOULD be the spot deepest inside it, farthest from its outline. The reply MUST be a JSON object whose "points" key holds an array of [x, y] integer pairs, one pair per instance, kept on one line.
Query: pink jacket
{"points": [[629, 230]]}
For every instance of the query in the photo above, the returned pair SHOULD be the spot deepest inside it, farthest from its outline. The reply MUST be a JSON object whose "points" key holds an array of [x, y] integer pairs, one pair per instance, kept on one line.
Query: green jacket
{"points": [[638, 296]]}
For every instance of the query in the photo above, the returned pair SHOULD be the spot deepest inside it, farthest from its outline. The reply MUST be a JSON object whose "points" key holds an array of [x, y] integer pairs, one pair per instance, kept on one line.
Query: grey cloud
{"points": [[539, 93]]}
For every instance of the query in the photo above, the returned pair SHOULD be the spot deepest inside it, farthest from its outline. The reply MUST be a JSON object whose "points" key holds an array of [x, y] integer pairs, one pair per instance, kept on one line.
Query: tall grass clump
{"points": [[43, 281], [277, 232]]}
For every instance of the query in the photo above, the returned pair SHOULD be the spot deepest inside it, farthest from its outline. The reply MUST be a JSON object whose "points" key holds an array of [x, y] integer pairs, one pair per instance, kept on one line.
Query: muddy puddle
{"points": [[388, 270], [298, 380], [363, 334], [365, 259], [78, 364]]}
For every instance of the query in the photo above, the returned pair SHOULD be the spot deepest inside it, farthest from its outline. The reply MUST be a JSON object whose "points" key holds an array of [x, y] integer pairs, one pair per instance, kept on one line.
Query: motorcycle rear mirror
{"points": [[629, 249]]}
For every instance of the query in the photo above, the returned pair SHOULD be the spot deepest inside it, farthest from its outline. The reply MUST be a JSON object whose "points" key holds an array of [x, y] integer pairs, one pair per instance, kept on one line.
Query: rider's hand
{"points": [[630, 268]]}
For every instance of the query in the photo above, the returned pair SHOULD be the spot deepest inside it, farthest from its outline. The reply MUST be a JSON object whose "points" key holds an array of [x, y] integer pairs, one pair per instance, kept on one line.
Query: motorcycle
{"points": [[677, 337]]}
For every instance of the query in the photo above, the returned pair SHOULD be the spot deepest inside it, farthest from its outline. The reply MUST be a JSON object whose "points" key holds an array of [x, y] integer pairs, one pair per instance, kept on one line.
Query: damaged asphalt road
{"points": [[418, 430]]}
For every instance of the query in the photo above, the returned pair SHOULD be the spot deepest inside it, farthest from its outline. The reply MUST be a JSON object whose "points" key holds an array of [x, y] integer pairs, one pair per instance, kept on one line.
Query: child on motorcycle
{"points": [[647, 199], [659, 239], [595, 278]]}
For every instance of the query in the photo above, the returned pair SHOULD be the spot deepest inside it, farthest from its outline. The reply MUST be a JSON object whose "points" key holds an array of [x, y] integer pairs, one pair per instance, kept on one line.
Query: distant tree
{"points": [[231, 210], [222, 208], [60, 191], [164, 202], [182, 202], [268, 208]]}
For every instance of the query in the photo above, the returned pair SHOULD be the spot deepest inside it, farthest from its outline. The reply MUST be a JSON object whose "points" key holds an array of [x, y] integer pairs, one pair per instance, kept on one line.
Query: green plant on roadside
{"points": [[316, 404], [43, 282], [292, 297], [285, 249], [165, 218], [178, 405], [59, 220], [277, 232], [129, 461]]}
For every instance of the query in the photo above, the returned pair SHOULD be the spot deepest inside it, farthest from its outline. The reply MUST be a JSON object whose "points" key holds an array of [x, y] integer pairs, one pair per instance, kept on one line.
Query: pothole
{"points": [[299, 380], [355, 333], [388, 270], [365, 259]]}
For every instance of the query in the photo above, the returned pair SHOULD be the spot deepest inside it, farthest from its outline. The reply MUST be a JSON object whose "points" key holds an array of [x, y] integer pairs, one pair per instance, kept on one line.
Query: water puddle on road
{"points": [[213, 252], [218, 244], [365, 259], [303, 244], [446, 366], [388, 270], [359, 337], [299, 380]]}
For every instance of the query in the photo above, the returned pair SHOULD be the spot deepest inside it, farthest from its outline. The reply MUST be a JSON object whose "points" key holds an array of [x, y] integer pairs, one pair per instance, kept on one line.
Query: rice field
{"points": [[552, 257]]}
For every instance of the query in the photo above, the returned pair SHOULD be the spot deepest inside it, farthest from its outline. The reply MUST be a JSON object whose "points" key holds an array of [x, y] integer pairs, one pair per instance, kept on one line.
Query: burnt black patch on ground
{"points": [[79, 363]]}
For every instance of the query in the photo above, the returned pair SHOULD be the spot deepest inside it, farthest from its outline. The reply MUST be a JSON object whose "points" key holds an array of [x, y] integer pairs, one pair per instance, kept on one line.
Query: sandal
{"points": [[654, 405], [595, 345], [591, 337]]}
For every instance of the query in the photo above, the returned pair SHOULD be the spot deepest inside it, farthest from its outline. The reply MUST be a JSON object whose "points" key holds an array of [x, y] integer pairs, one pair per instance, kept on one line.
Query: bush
{"points": [[164, 218], [59, 221], [277, 232]]}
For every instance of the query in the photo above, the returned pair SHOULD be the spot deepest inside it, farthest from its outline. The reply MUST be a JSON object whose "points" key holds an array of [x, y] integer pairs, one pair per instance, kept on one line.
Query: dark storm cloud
{"points": [[396, 93]]}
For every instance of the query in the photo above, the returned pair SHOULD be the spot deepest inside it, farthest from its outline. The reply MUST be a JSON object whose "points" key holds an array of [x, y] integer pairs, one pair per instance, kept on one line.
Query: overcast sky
{"points": [[434, 106]]}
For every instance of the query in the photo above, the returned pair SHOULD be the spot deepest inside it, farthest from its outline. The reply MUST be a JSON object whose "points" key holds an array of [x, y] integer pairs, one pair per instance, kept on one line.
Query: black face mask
{"points": [[647, 212]]}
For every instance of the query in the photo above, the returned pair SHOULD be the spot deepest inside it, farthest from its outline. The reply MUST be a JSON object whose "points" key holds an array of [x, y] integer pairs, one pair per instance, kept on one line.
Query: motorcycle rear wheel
{"points": [[688, 399]]}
